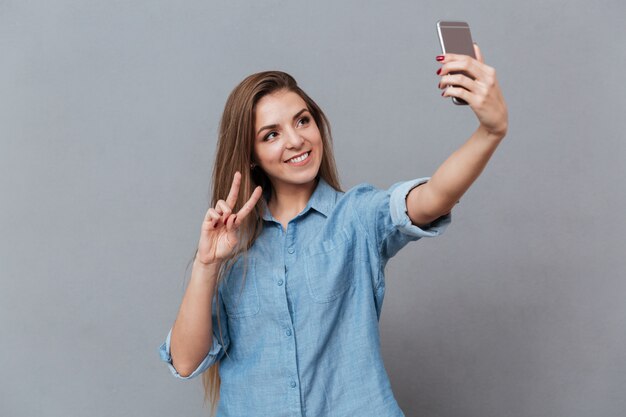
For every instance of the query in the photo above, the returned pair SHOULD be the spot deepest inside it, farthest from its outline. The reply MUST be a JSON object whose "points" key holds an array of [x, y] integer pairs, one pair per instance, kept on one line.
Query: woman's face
{"points": [[284, 129]]}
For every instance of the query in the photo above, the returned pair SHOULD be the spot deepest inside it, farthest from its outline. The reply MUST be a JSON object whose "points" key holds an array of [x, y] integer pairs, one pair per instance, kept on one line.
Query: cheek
{"points": [[320, 145], [270, 153]]}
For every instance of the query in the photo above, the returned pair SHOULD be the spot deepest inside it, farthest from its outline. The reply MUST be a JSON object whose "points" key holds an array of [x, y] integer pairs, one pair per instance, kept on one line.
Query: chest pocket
{"points": [[241, 296], [330, 267]]}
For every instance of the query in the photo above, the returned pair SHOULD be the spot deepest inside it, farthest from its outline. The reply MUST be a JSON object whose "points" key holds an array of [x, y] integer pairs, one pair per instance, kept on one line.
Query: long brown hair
{"points": [[235, 149]]}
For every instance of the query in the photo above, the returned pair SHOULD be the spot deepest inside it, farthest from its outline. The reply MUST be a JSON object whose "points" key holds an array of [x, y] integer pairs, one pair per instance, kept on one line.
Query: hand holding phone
{"points": [[478, 85], [455, 38]]}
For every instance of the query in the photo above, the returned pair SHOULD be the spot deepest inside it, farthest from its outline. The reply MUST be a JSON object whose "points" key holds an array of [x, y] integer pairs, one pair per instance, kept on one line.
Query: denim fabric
{"points": [[301, 331]]}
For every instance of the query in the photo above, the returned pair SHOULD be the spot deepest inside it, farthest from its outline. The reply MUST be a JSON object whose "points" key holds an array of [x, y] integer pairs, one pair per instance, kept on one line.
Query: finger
{"points": [[457, 80], [211, 219], [208, 216], [212, 224], [234, 190], [247, 208], [449, 57], [467, 65], [231, 222], [459, 92], [222, 208], [213, 214], [479, 55], [474, 68]]}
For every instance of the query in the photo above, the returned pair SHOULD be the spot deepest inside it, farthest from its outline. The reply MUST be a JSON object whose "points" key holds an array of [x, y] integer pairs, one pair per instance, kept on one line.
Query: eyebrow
{"points": [[275, 125]]}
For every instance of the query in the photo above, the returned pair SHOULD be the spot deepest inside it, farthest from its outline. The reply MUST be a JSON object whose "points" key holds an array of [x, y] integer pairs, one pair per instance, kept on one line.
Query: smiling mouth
{"points": [[299, 158]]}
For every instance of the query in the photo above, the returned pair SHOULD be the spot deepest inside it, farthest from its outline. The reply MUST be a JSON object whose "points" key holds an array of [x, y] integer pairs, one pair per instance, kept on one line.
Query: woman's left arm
{"points": [[452, 179]]}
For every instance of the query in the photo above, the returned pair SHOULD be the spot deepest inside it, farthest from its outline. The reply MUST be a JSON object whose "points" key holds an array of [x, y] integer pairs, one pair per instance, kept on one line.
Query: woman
{"points": [[288, 280]]}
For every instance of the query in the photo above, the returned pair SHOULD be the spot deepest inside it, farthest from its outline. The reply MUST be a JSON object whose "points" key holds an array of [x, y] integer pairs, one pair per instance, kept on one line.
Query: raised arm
{"points": [[192, 332], [452, 179]]}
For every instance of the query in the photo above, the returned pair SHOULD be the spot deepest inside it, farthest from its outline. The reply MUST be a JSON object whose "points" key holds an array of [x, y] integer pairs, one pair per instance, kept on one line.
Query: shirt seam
{"points": [[378, 249]]}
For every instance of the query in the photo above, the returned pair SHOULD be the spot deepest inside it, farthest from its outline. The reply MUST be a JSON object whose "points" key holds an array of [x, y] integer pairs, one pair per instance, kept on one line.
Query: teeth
{"points": [[300, 158]]}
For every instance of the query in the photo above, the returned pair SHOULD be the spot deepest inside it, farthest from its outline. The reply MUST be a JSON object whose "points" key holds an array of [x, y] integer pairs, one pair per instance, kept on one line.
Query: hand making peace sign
{"points": [[483, 93], [218, 237]]}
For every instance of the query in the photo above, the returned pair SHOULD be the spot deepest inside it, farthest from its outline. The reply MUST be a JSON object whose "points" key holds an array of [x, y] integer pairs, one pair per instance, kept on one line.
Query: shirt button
{"points": [[292, 384], [280, 282], [288, 332], [291, 250]]}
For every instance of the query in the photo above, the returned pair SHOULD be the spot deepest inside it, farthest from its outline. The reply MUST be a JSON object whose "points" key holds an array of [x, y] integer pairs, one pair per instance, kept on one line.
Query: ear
{"points": [[479, 56]]}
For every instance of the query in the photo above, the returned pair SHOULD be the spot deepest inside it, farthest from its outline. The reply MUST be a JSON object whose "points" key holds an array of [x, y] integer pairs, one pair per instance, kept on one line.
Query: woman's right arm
{"points": [[192, 333]]}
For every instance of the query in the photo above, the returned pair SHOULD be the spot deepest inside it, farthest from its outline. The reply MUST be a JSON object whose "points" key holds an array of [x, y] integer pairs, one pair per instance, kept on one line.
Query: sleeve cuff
{"points": [[210, 358], [400, 218]]}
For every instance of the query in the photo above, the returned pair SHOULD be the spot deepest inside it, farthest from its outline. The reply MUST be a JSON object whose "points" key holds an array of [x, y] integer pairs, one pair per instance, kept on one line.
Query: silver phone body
{"points": [[455, 38]]}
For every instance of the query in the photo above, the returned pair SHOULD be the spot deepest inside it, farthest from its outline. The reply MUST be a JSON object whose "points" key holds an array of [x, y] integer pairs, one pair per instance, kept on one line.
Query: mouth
{"points": [[299, 159]]}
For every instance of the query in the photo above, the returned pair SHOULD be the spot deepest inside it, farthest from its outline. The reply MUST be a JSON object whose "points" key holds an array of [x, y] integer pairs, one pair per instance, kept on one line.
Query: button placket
{"points": [[290, 260], [290, 241]]}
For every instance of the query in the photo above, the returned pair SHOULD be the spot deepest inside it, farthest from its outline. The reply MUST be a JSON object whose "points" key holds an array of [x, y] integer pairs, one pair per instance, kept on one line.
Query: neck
{"points": [[288, 200]]}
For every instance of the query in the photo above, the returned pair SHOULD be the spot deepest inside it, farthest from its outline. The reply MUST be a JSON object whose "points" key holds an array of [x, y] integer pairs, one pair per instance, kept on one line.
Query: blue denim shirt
{"points": [[301, 331]]}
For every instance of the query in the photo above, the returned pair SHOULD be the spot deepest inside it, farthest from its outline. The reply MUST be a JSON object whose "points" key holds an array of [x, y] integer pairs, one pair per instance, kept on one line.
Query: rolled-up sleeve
{"points": [[384, 215], [215, 352], [399, 212]]}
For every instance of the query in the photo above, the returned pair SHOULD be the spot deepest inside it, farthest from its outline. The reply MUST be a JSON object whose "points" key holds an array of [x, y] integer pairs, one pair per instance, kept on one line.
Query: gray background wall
{"points": [[108, 119]]}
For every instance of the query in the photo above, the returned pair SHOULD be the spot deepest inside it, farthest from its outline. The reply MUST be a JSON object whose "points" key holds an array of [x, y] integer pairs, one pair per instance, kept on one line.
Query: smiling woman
{"points": [[288, 281], [288, 150]]}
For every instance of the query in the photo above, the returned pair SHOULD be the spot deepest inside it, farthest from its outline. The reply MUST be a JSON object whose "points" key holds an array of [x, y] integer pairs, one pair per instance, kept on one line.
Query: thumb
{"points": [[479, 56]]}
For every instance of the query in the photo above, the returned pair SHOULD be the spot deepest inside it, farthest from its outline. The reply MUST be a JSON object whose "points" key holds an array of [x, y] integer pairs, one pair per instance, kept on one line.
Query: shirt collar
{"points": [[322, 200]]}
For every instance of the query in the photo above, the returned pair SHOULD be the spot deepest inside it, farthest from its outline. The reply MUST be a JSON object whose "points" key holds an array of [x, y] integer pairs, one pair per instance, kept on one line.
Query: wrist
{"points": [[211, 267], [490, 136]]}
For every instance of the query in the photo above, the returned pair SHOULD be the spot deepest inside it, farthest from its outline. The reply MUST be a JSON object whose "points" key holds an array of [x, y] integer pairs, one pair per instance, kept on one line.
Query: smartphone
{"points": [[455, 38]]}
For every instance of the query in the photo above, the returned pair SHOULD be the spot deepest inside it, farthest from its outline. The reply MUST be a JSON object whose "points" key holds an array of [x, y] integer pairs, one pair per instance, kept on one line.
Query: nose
{"points": [[294, 139]]}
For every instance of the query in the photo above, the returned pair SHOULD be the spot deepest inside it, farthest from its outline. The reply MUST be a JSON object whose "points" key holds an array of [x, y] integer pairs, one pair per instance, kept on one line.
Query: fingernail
{"points": [[438, 71], [440, 57]]}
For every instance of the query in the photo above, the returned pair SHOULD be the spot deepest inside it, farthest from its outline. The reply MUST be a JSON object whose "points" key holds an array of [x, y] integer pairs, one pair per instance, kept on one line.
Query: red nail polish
{"points": [[440, 57], [438, 71]]}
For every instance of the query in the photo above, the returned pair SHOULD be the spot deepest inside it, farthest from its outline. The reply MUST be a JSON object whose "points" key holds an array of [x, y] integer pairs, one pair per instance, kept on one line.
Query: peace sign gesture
{"points": [[218, 237], [480, 89]]}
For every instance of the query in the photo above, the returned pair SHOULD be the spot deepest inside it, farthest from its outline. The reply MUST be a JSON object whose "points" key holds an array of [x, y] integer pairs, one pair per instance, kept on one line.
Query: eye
{"points": [[269, 136], [305, 120]]}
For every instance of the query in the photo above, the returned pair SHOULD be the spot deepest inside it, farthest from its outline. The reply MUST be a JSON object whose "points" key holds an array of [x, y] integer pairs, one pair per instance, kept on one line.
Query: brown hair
{"points": [[235, 149]]}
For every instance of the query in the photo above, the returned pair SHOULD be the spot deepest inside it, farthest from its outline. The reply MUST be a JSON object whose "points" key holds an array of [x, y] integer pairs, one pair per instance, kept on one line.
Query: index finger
{"points": [[449, 56], [464, 63], [234, 190], [247, 208]]}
